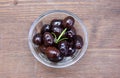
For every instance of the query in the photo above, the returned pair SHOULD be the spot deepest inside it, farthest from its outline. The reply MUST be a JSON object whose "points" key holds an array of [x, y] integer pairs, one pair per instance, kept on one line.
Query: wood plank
{"points": [[16, 64]]}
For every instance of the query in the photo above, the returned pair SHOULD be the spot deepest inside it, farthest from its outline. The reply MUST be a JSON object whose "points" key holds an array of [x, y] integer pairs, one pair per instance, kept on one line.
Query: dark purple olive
{"points": [[68, 22], [53, 54], [78, 42], [42, 48], [71, 50], [37, 39], [71, 33], [48, 39], [56, 22], [57, 30], [71, 42], [45, 28], [63, 47]]}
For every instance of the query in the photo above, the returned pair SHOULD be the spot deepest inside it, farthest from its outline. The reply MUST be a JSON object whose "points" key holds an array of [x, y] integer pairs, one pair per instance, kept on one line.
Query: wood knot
{"points": [[15, 2]]}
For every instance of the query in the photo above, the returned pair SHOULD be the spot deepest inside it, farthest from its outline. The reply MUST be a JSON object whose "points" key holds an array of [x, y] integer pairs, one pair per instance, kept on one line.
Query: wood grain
{"points": [[101, 18]]}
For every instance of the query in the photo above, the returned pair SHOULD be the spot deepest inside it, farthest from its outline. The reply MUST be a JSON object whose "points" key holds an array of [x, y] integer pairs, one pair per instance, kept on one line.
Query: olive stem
{"points": [[61, 35]]}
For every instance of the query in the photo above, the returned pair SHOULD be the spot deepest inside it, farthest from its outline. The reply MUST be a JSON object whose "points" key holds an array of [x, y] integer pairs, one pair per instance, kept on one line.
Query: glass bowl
{"points": [[45, 18]]}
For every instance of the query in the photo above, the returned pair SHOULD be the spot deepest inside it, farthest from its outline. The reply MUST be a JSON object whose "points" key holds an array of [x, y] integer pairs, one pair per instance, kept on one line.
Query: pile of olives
{"points": [[58, 39]]}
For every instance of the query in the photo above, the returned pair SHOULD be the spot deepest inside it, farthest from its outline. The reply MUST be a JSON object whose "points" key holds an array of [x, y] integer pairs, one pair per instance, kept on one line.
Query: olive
{"points": [[71, 50], [71, 42], [37, 39], [63, 47], [45, 28], [56, 22], [71, 33], [42, 48], [68, 22], [57, 30], [78, 42], [53, 54], [48, 39]]}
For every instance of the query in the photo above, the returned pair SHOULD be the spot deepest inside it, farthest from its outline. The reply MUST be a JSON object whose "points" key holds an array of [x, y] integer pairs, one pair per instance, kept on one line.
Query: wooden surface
{"points": [[102, 59]]}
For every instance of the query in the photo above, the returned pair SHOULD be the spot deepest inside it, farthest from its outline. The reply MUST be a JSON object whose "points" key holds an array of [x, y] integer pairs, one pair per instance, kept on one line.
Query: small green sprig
{"points": [[62, 39], [59, 38], [55, 37]]}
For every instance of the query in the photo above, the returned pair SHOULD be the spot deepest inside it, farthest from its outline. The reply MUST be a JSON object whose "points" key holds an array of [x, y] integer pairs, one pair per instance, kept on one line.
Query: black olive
{"points": [[78, 42], [42, 48], [53, 54], [45, 28], [56, 22], [37, 39], [71, 50], [68, 22], [63, 47], [48, 39], [71, 33], [57, 30]]}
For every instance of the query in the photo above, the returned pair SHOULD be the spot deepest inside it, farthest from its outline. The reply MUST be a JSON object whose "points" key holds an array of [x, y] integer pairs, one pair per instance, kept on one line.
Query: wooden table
{"points": [[102, 59]]}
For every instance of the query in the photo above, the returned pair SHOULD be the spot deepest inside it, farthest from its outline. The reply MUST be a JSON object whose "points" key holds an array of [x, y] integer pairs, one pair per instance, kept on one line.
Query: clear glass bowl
{"points": [[45, 18]]}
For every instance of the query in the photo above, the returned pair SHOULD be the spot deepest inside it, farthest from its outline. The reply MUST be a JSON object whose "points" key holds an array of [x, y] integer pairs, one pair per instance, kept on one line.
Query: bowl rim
{"points": [[60, 11]]}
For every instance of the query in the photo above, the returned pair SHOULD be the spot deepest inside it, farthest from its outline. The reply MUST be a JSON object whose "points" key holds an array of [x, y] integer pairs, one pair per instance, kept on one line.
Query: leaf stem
{"points": [[54, 35], [62, 39], [61, 35]]}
